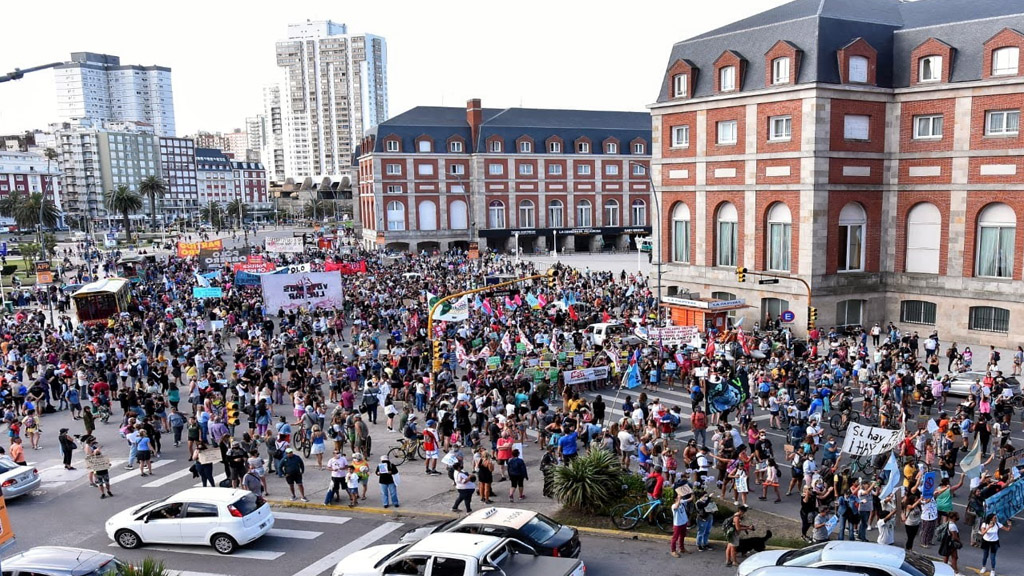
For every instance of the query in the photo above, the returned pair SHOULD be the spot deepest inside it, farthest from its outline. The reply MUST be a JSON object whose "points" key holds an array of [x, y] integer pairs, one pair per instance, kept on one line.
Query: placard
{"points": [[189, 249], [493, 362], [573, 377], [215, 259], [96, 462], [213, 292], [668, 335], [209, 456], [286, 244], [863, 440], [293, 291]]}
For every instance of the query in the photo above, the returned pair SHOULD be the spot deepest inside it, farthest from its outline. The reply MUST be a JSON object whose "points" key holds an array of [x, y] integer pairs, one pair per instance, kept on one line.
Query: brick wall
{"points": [[909, 166], [735, 167], [1006, 37], [791, 108], [908, 110], [835, 171], [979, 106], [764, 166], [858, 47], [876, 125], [976, 177], [737, 113], [931, 47], [670, 121], [782, 49]]}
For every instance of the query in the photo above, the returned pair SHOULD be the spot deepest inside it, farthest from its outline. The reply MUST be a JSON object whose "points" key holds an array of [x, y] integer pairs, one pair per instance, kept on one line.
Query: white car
{"points": [[847, 556], [17, 480], [224, 518]]}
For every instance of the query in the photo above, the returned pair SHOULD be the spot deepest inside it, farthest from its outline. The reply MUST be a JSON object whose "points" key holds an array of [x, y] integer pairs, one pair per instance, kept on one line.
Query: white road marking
{"points": [[168, 479], [310, 518], [329, 561], [298, 534], [243, 553], [131, 473], [216, 480]]}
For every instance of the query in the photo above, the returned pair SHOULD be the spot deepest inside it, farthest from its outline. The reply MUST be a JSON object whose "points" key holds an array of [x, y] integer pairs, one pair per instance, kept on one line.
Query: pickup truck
{"points": [[456, 554]]}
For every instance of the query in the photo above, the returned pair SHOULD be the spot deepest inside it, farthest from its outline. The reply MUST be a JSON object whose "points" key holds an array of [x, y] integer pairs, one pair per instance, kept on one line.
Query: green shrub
{"points": [[149, 567], [590, 483]]}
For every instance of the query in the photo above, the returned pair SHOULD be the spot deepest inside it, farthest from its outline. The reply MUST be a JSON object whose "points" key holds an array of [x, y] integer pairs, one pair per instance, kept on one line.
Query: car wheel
{"points": [[127, 539], [223, 543]]}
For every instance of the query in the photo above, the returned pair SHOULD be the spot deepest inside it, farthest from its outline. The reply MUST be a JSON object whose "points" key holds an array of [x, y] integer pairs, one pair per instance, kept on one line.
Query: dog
{"points": [[753, 544]]}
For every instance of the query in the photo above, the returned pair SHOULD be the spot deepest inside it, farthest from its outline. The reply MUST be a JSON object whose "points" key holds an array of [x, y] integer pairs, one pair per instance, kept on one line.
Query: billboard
{"points": [[286, 244], [293, 291]]}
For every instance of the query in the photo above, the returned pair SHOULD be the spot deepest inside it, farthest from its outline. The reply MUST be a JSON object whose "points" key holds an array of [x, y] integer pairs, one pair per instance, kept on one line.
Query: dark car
{"points": [[547, 537]]}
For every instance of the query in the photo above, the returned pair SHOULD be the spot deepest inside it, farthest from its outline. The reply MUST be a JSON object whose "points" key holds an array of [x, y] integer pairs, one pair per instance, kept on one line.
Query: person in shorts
{"points": [[352, 483], [293, 468]]}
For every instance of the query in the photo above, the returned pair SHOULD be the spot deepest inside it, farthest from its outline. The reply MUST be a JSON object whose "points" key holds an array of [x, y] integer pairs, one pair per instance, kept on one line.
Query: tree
{"points": [[25, 210], [235, 208], [314, 209], [124, 201], [153, 188], [212, 213]]}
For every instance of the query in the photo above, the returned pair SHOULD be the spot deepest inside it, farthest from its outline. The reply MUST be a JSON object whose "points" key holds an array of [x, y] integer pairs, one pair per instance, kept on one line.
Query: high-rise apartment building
{"points": [[96, 87], [334, 87], [272, 134], [178, 170]]}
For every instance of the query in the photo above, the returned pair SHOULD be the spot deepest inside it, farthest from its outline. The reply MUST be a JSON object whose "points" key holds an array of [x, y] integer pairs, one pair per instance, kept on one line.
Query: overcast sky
{"points": [[536, 53]]}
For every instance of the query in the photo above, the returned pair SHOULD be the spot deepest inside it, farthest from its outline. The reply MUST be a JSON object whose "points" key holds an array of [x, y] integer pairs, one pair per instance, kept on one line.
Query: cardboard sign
{"points": [[43, 273], [97, 462], [209, 456]]}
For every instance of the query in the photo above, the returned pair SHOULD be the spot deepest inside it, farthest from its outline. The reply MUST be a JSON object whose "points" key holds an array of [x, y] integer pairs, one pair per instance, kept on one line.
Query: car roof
{"points": [[847, 551], [58, 558], [455, 543], [209, 494], [797, 571], [495, 516]]}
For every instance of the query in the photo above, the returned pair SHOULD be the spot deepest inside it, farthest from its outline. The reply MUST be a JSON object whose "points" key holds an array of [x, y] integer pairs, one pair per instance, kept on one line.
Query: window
{"points": [[989, 319], [584, 213], [394, 189], [727, 132], [496, 215], [929, 69], [611, 169], [928, 127], [583, 169], [924, 233], [425, 169], [611, 148], [527, 214], [849, 312], [858, 69], [424, 146], [556, 214], [997, 230], [917, 312], [681, 136], [396, 216], [408, 566], [391, 145], [555, 147], [852, 221], [393, 169], [773, 307], [728, 235], [679, 82], [427, 215], [638, 213], [638, 169], [1002, 122], [526, 169], [1005, 61], [526, 147], [727, 79], [731, 315], [455, 146], [448, 566], [583, 147], [780, 71], [681, 234], [458, 169], [458, 215], [780, 128], [611, 213], [780, 228], [197, 510], [639, 148], [495, 169], [555, 169], [855, 127]]}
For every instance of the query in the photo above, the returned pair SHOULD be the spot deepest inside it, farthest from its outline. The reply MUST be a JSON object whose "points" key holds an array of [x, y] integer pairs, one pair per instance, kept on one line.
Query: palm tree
{"points": [[237, 210], [153, 187], [124, 201], [213, 214], [314, 209], [28, 209]]}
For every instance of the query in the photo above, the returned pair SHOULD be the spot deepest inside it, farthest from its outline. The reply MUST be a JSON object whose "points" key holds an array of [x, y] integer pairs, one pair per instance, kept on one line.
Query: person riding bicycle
{"points": [[846, 406], [410, 432]]}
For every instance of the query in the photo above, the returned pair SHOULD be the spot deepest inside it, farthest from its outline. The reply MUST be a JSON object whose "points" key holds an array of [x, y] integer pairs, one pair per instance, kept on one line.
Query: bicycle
{"points": [[839, 424], [301, 441], [863, 466], [627, 516], [407, 450]]}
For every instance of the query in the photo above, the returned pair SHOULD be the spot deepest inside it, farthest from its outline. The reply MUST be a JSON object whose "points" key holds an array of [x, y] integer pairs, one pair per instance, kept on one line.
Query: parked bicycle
{"points": [[627, 516]]}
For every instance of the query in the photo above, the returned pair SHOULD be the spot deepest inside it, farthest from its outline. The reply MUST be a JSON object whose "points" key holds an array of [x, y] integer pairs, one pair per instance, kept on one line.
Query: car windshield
{"points": [[802, 557], [540, 528], [917, 565], [248, 504], [149, 504], [391, 555], [8, 465]]}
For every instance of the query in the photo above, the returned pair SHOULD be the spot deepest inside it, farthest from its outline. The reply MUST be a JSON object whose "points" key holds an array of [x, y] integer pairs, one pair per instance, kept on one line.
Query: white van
{"points": [[603, 331], [646, 244]]}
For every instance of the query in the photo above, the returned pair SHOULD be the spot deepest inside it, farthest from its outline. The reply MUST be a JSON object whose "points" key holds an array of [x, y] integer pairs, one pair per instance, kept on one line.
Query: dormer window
{"points": [[525, 147], [455, 146], [494, 146], [639, 148], [391, 146], [780, 71], [424, 146], [930, 69], [1005, 61], [583, 147], [727, 79], [611, 148], [554, 147], [858, 69], [679, 85]]}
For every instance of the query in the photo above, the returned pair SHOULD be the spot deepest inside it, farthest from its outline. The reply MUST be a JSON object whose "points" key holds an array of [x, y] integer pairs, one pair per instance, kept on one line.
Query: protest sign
{"points": [[293, 291], [1006, 503], [346, 268], [928, 483], [96, 462], [200, 292], [189, 249], [493, 362], [573, 377], [870, 441], [294, 269], [214, 259], [971, 464], [287, 244], [254, 265], [668, 335], [243, 278], [209, 456]]}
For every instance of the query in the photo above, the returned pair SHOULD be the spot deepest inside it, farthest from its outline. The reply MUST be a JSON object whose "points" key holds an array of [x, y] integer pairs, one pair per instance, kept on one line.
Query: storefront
{"points": [[703, 312]]}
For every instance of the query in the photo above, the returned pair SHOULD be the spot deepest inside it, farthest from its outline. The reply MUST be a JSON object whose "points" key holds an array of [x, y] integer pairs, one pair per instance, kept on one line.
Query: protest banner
{"points": [[870, 441], [214, 259], [243, 278], [293, 291], [574, 377], [493, 362], [286, 244], [294, 269], [971, 464], [668, 335], [346, 268], [254, 265], [1007, 503], [6, 530], [200, 292], [189, 249]]}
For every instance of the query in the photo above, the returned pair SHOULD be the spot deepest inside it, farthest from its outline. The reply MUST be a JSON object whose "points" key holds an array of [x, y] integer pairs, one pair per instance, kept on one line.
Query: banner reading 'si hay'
{"points": [[293, 291]]}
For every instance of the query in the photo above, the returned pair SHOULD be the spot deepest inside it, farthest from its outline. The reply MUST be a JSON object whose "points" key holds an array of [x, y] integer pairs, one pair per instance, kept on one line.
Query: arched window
{"points": [[681, 233], [924, 232], [496, 215], [396, 216], [556, 214], [427, 215], [458, 215], [584, 213], [1005, 61], [611, 212], [997, 229], [638, 213], [527, 214], [780, 229], [728, 235], [852, 222]]}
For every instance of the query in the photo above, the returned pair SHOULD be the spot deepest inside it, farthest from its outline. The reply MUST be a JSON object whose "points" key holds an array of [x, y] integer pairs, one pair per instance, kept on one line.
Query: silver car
{"points": [[16, 480], [60, 561], [962, 382]]}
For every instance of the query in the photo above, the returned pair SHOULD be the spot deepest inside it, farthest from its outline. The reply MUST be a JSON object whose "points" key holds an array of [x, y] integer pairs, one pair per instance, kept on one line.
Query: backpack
{"points": [[650, 483], [942, 531], [729, 528], [996, 356]]}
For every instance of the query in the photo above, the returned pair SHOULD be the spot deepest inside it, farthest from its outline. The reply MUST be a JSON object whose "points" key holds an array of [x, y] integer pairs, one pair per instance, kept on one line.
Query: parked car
{"points": [[224, 518], [962, 382], [60, 561], [543, 534], [848, 556], [457, 555], [17, 480], [794, 571]]}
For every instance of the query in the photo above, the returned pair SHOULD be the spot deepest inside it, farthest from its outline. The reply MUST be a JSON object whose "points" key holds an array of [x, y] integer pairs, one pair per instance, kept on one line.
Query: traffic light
{"points": [[438, 349], [552, 278], [812, 317], [741, 274], [232, 413]]}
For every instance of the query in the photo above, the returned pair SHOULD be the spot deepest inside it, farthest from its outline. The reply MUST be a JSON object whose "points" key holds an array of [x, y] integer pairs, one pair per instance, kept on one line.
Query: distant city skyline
{"points": [[553, 55]]}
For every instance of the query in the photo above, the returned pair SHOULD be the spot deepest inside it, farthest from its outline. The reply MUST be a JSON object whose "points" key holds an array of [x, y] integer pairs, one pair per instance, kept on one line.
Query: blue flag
{"points": [[894, 478], [633, 376]]}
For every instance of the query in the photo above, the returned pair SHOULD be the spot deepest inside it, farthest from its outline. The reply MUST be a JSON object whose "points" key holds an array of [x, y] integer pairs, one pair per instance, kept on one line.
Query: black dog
{"points": [[753, 544]]}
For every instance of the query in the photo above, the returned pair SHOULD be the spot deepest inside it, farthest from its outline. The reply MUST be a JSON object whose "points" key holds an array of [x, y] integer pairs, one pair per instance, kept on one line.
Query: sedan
{"points": [[848, 556], [17, 480], [224, 518], [61, 561], [547, 537], [961, 383]]}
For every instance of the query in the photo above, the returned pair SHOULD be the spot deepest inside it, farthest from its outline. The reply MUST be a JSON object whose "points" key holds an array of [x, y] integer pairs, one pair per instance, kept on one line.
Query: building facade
{"points": [[272, 134], [30, 173], [215, 177], [870, 149], [178, 171], [250, 180], [440, 178], [96, 87], [333, 88]]}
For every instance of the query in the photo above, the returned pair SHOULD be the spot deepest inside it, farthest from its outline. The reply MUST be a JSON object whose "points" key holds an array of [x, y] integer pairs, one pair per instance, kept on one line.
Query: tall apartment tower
{"points": [[272, 135], [334, 87], [96, 87]]}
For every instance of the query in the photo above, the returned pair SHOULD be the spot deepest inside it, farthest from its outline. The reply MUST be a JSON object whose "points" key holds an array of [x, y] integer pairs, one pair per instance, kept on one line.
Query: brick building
{"points": [[438, 177], [870, 148]]}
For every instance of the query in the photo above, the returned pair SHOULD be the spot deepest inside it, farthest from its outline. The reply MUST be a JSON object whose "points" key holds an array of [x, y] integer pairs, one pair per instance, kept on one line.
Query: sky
{"points": [[596, 55]]}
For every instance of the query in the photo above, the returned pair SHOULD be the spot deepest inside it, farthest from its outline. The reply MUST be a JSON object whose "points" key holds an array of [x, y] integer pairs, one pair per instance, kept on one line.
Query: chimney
{"points": [[474, 117]]}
